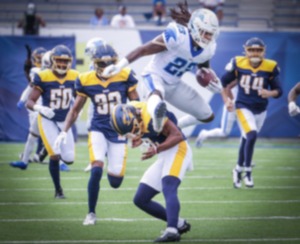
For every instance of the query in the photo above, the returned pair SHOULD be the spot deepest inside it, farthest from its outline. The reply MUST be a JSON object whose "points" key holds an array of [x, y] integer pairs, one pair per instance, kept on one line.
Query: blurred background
{"points": [[74, 22]]}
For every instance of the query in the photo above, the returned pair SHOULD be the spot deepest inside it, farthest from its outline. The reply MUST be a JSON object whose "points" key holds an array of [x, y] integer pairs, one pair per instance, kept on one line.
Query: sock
{"points": [[241, 157], [249, 147], [115, 181], [169, 187], [54, 172], [188, 120], [93, 188], [142, 200], [152, 103], [30, 143]]}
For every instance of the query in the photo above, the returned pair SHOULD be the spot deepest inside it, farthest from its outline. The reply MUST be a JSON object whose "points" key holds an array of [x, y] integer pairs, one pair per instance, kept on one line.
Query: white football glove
{"points": [[61, 138], [114, 69], [215, 86], [293, 109], [46, 111]]}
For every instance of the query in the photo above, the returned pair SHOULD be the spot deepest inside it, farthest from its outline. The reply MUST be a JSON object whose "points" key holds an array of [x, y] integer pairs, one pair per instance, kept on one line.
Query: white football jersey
{"points": [[181, 55]]}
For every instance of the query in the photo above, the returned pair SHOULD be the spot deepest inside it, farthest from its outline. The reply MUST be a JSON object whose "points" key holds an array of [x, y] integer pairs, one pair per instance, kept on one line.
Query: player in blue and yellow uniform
{"points": [[174, 158], [103, 141], [257, 80], [56, 86]]}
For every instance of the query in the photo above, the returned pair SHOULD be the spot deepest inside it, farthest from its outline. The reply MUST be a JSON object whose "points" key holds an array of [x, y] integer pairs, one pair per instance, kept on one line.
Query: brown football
{"points": [[204, 76]]}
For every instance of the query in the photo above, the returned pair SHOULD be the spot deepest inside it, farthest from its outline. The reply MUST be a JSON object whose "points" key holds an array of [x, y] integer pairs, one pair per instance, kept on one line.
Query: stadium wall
{"points": [[282, 47]]}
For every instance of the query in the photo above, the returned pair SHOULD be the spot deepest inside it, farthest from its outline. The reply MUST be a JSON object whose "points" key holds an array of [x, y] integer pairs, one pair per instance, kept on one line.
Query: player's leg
{"points": [[248, 127], [49, 130], [116, 167], [155, 102], [88, 124], [191, 102], [97, 144]]}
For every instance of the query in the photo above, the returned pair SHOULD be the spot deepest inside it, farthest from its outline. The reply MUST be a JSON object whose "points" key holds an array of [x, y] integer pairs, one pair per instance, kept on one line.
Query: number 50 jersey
{"points": [[56, 93]]}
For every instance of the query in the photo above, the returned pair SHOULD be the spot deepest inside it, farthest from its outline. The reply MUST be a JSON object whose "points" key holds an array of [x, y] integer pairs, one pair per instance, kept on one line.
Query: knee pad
{"points": [[115, 181], [68, 158]]}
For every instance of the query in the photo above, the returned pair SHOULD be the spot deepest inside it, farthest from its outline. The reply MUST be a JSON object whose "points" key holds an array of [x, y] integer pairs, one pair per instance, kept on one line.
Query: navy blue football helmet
{"points": [[36, 56], [102, 56], [255, 50], [61, 58], [124, 120]]}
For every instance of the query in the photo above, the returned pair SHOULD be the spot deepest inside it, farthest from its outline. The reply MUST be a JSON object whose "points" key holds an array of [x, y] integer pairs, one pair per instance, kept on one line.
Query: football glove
{"points": [[61, 138], [215, 86], [46, 111], [293, 109], [114, 69]]}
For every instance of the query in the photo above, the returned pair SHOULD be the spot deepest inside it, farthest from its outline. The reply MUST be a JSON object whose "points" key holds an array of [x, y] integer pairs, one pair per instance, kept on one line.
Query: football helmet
{"points": [[92, 44], [124, 120], [102, 56], [46, 61], [203, 26], [255, 50], [36, 56], [61, 58]]}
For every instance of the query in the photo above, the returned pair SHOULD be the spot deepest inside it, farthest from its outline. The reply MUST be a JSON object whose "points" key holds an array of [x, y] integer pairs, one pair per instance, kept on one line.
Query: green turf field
{"points": [[269, 213]]}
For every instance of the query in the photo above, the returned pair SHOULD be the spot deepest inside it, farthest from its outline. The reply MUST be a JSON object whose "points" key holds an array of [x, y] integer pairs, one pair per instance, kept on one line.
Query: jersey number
{"points": [[179, 66], [257, 83], [60, 98], [106, 102]]}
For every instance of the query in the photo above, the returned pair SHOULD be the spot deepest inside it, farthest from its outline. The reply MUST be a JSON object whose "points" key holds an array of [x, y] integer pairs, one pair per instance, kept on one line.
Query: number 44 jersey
{"points": [[181, 55], [56, 93]]}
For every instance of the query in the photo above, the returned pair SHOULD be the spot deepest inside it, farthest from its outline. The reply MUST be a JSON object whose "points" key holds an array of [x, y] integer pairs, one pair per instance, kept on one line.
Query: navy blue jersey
{"points": [[56, 93], [251, 80], [105, 95], [147, 130]]}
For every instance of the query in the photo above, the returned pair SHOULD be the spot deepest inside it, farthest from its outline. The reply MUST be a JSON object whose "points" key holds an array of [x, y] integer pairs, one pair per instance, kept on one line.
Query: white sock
{"points": [[217, 132], [188, 120], [172, 230], [152, 103], [29, 146], [180, 222]]}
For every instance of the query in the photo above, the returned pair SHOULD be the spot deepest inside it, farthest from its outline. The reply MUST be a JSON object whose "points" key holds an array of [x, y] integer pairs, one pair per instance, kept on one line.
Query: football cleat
{"points": [[168, 237], [184, 228], [200, 139], [88, 168], [90, 219], [237, 179], [59, 194], [64, 167], [159, 115], [18, 164], [248, 180]]}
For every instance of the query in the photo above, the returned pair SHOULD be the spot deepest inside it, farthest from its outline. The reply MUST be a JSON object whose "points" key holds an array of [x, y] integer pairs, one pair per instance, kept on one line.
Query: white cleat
{"points": [[88, 168], [90, 219], [200, 139], [248, 180], [237, 179], [159, 116]]}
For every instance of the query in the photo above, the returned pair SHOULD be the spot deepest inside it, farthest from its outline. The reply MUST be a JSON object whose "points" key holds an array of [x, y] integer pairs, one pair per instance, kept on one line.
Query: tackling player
{"points": [[188, 43], [56, 87], [174, 158], [258, 79], [103, 141]]}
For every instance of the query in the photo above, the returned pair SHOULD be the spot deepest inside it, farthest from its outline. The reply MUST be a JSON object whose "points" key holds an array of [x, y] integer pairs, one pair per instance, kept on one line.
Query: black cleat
{"points": [[185, 228], [168, 237], [59, 194]]}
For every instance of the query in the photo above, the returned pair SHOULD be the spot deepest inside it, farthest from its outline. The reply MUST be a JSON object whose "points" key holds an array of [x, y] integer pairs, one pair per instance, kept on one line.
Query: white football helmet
{"points": [[92, 44], [46, 61], [203, 26]]}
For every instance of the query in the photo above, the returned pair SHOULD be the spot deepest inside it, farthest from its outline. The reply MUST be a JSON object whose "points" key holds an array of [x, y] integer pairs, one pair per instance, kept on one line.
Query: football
{"points": [[205, 75]]}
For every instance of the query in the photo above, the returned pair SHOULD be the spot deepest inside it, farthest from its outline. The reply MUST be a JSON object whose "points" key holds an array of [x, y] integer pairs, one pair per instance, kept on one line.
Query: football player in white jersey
{"points": [[292, 96], [227, 122], [184, 45]]}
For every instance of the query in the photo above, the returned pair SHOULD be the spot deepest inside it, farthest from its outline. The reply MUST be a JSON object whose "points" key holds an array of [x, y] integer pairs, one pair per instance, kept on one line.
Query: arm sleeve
{"points": [[25, 94]]}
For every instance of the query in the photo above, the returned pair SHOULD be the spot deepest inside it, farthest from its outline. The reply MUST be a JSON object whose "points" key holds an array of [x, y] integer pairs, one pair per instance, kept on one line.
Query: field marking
{"points": [[262, 218], [134, 188], [271, 240], [63, 202]]}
